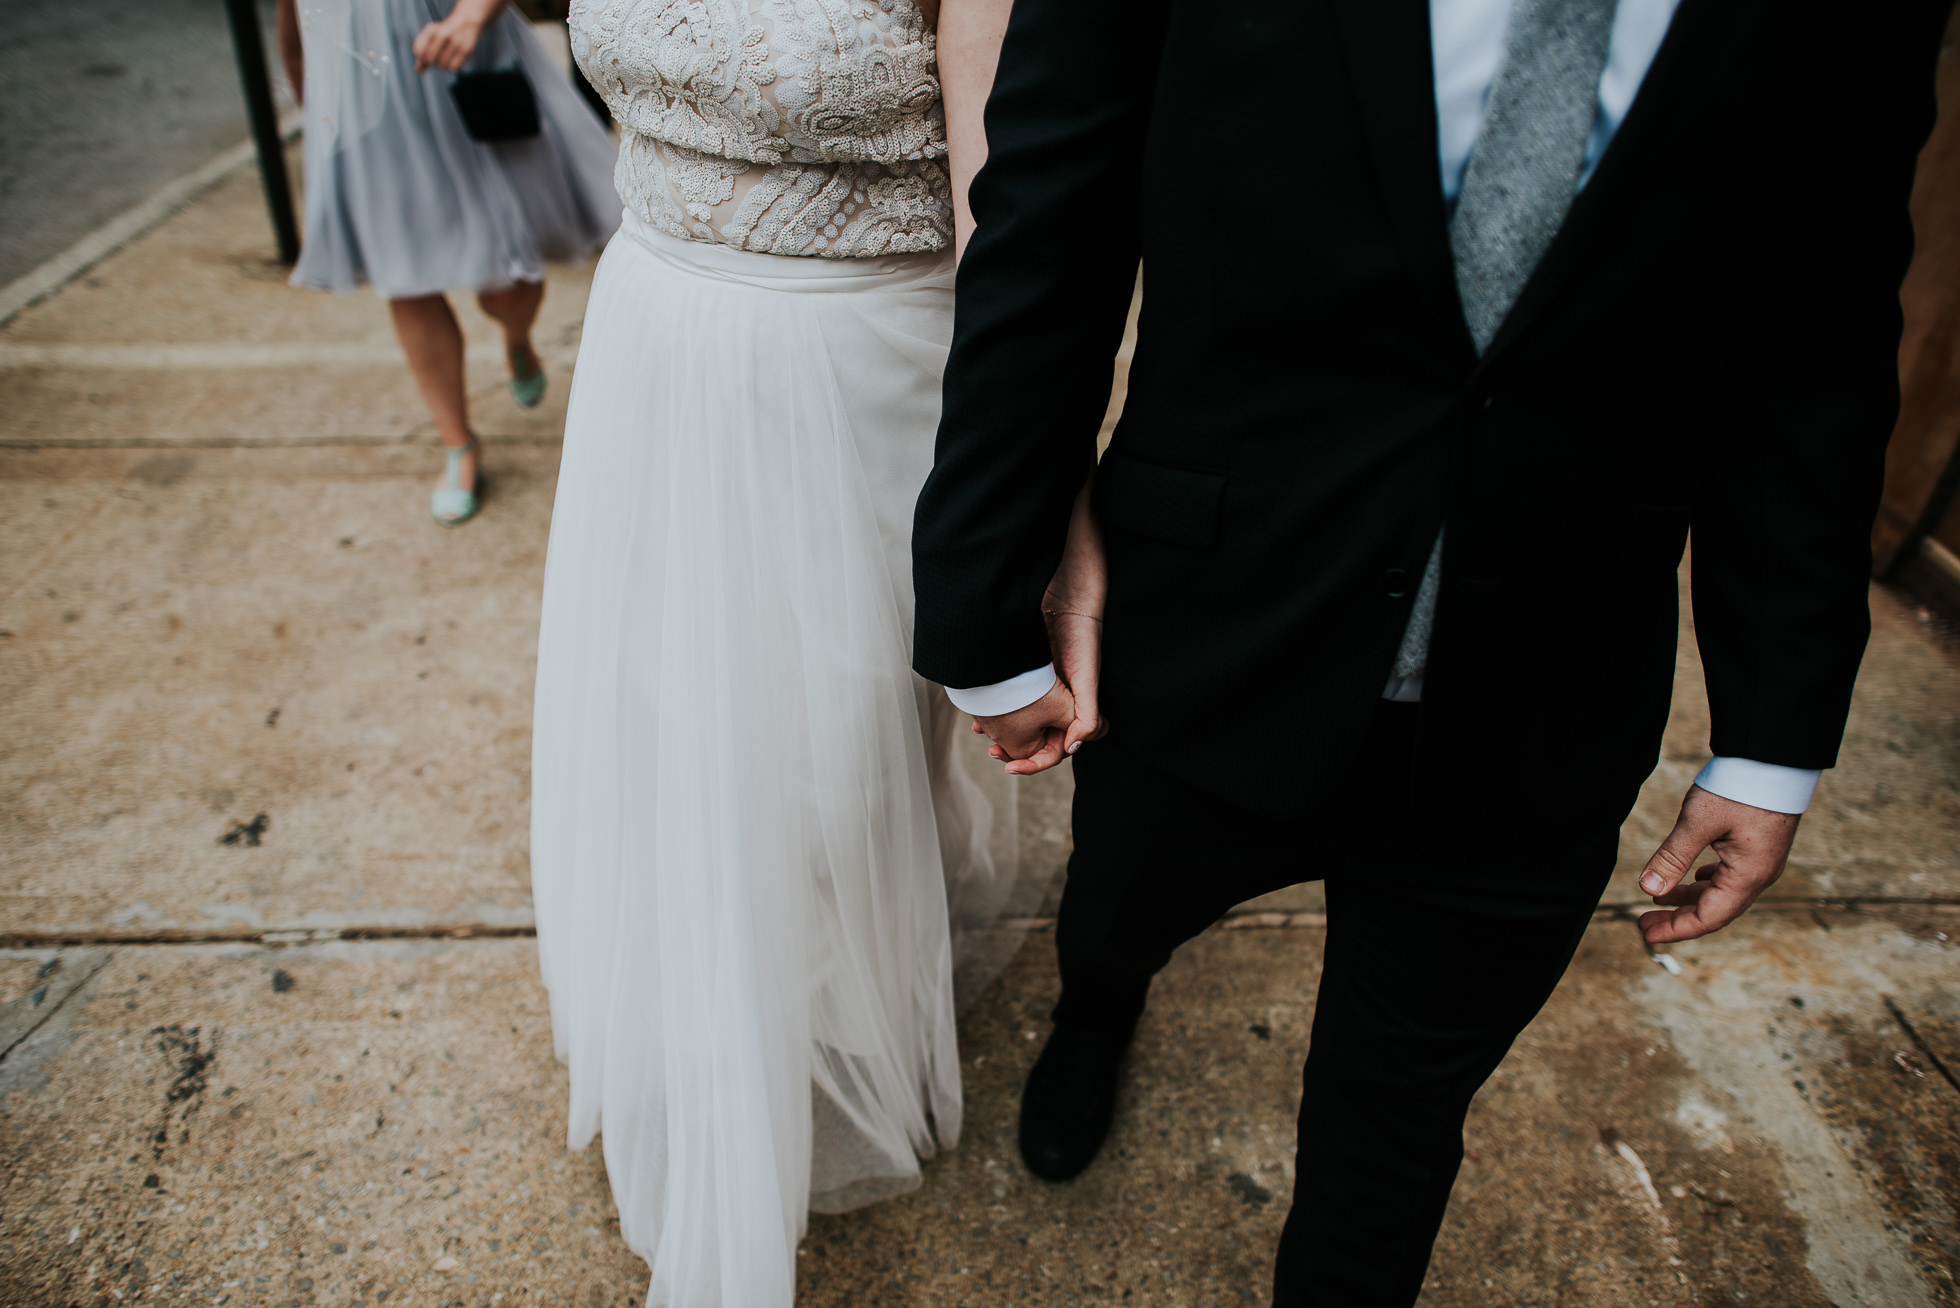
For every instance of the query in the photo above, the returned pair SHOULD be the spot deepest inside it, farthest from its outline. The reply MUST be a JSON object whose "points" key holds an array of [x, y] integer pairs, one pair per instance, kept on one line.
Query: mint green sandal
{"points": [[451, 504], [529, 390]]}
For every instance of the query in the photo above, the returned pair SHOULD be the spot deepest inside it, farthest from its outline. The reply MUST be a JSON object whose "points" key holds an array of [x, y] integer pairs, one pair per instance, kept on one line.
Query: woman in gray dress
{"points": [[401, 196]]}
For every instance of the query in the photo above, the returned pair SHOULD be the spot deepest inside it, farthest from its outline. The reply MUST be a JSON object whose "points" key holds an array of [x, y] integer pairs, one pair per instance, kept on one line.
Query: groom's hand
{"points": [[1035, 738], [1752, 844]]}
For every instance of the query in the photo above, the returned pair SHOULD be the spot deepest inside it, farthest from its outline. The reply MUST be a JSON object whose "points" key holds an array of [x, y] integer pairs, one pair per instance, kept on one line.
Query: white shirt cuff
{"points": [[1004, 696], [1759, 785]]}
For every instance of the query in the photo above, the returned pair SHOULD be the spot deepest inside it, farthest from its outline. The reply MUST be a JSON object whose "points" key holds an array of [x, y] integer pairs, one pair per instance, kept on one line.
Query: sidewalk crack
{"points": [[51, 1009], [1919, 1043]]}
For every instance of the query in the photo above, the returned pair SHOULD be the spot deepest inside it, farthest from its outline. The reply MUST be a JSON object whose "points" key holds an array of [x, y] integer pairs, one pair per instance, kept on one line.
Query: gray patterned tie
{"points": [[1520, 182]]}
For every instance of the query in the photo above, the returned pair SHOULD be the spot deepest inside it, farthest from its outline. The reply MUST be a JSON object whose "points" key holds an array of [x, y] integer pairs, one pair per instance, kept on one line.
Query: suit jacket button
{"points": [[1397, 581]]}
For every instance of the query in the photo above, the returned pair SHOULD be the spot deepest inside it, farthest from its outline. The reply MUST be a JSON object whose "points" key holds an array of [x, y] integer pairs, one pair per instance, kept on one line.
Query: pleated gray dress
{"points": [[400, 196]]}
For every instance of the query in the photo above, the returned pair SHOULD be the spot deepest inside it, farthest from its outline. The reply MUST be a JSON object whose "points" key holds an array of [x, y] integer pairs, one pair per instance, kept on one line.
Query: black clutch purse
{"points": [[497, 105]]}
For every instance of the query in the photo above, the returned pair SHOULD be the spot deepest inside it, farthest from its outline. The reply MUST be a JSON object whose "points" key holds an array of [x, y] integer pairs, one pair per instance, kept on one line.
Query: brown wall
{"points": [[1923, 444]]}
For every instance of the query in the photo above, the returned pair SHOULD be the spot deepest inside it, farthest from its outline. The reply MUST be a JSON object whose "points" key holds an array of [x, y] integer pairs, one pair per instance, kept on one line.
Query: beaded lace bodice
{"points": [[801, 127]]}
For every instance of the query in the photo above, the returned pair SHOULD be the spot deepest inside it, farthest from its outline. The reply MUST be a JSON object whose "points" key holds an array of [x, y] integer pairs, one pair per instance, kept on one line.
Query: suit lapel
{"points": [[1388, 54], [1681, 71], [1393, 69]]}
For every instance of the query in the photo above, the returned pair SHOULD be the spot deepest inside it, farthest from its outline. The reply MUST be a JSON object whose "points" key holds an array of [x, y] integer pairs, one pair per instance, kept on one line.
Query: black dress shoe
{"points": [[1069, 1099]]}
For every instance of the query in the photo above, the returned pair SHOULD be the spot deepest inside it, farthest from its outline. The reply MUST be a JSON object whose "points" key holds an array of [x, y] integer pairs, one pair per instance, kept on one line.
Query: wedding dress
{"points": [[762, 848]]}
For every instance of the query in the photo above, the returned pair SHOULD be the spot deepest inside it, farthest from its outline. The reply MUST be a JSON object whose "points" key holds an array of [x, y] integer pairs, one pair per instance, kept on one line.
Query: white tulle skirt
{"points": [[751, 820]]}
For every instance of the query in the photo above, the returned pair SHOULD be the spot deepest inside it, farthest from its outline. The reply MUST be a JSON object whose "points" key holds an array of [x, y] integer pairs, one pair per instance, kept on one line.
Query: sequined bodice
{"points": [[800, 127]]}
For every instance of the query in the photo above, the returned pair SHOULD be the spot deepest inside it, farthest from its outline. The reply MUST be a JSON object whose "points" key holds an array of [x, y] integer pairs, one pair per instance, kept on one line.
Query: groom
{"points": [[1460, 316]]}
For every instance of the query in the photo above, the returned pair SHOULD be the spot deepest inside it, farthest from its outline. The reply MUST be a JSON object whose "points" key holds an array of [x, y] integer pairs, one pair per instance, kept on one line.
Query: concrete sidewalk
{"points": [[272, 1028]]}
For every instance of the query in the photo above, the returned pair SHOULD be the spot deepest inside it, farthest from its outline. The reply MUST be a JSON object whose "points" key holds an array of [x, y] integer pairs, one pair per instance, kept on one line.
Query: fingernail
{"points": [[1074, 745], [1652, 883]]}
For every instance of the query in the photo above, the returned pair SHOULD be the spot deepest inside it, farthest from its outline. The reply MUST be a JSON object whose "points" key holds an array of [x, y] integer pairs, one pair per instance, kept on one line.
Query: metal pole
{"points": [[249, 46]]}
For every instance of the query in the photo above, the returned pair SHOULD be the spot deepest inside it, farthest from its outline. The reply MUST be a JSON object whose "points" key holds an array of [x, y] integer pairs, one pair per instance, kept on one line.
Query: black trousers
{"points": [[1435, 960]]}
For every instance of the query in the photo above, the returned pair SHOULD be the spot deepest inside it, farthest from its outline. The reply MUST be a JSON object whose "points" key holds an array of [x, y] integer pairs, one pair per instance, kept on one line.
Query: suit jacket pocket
{"points": [[1166, 504]]}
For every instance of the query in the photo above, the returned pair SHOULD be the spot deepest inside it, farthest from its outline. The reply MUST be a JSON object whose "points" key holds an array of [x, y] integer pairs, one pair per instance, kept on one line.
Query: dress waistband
{"points": [[783, 272]]}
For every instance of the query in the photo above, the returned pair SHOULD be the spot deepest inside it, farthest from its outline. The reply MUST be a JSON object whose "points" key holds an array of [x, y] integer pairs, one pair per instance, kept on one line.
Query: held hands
{"points": [[1036, 738], [1753, 845], [449, 44]]}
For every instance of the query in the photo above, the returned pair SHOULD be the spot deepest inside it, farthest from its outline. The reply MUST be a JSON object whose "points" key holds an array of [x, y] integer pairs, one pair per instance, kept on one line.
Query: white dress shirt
{"points": [[1467, 38]]}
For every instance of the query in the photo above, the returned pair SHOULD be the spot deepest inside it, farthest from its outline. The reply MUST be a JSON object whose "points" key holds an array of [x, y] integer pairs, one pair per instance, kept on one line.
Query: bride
{"points": [[758, 852]]}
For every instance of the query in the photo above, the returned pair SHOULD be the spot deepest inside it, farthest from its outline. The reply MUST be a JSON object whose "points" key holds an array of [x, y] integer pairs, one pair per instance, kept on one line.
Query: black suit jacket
{"points": [[1710, 343]]}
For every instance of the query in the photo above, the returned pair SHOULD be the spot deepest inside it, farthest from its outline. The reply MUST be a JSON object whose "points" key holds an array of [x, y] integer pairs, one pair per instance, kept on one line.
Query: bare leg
{"points": [[515, 307], [433, 342]]}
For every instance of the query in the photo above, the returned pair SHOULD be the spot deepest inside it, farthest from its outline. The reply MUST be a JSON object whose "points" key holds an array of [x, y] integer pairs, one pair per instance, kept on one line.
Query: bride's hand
{"points": [[1076, 641], [1036, 738], [1073, 609]]}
